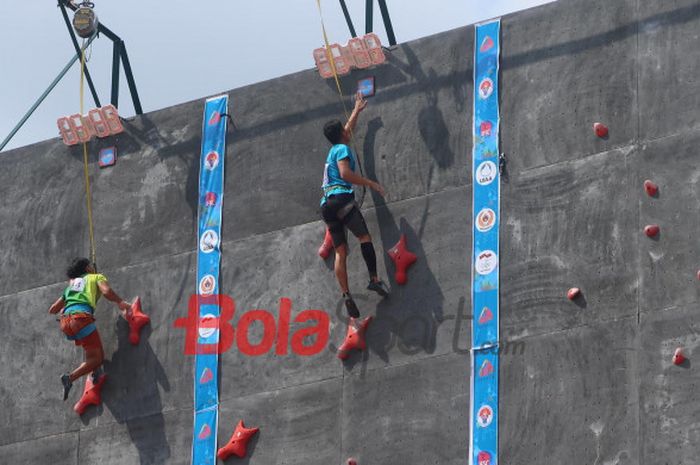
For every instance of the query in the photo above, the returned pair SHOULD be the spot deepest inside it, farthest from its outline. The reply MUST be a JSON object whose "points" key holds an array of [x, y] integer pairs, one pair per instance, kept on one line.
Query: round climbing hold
{"points": [[573, 293], [600, 129], [698, 275], [652, 230], [678, 357], [352, 461], [651, 188]]}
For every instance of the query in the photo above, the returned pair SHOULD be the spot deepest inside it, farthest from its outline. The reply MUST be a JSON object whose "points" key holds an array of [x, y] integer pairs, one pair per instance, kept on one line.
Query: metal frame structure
{"points": [[369, 19], [119, 56]]}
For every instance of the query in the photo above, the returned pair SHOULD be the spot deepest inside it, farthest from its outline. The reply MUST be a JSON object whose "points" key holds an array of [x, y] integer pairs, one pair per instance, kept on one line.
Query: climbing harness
{"points": [[331, 60]]}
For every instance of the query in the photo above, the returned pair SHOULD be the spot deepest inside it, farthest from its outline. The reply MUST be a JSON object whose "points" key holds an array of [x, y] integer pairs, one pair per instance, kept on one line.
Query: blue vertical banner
{"points": [[211, 196], [486, 198]]}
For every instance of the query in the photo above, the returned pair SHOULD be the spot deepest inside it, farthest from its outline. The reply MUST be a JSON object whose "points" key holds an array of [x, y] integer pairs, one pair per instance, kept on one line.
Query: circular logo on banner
{"points": [[211, 161], [484, 458], [207, 285], [210, 199], [486, 262], [485, 219], [209, 241], [486, 88], [485, 416], [486, 173], [208, 325]]}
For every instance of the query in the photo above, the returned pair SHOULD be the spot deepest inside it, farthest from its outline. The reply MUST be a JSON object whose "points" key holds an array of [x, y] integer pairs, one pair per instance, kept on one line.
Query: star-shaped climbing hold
{"points": [[238, 443], [92, 394], [402, 258], [354, 338], [136, 319]]}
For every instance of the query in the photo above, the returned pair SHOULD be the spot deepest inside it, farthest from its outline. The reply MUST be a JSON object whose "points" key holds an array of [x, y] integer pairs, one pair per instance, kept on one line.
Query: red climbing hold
{"points": [[600, 129], [354, 338], [402, 259], [91, 394], [573, 293], [325, 250], [352, 461], [678, 357], [651, 188], [698, 275], [651, 230], [238, 443], [136, 319]]}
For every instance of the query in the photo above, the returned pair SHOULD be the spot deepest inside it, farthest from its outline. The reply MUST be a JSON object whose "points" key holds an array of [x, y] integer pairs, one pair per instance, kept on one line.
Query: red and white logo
{"points": [[486, 262], [208, 325], [484, 416], [204, 432], [486, 44], [209, 241], [486, 369], [485, 128], [211, 161], [207, 376], [485, 219], [486, 88], [210, 199], [486, 172], [207, 285], [483, 458], [215, 118], [486, 316]]}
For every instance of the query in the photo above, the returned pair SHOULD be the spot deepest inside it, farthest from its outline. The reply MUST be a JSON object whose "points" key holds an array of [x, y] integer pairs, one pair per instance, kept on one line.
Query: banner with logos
{"points": [[483, 444], [211, 190]]}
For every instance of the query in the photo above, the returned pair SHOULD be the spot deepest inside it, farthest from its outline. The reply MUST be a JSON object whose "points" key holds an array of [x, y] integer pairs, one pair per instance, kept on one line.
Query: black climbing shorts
{"points": [[340, 212]]}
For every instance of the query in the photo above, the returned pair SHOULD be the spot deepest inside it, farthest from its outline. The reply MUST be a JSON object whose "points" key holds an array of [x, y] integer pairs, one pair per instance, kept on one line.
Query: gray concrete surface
{"points": [[589, 382]]}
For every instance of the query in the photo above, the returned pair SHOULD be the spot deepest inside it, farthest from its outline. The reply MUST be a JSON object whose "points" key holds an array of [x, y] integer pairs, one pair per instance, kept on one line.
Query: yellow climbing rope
{"points": [[88, 196], [331, 60]]}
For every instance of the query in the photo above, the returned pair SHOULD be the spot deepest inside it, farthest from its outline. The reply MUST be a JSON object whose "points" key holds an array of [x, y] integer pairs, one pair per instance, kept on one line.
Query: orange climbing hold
{"points": [[652, 230], [402, 258], [651, 188], [573, 293], [92, 394], [354, 338], [136, 319], [678, 357], [238, 443], [325, 250], [600, 129]]}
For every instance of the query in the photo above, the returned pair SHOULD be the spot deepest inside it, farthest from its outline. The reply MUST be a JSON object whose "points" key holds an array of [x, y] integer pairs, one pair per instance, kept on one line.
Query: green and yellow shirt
{"points": [[82, 293]]}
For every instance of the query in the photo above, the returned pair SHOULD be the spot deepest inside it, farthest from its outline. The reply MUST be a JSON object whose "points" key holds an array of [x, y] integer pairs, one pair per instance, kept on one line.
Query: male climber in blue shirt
{"points": [[338, 207]]}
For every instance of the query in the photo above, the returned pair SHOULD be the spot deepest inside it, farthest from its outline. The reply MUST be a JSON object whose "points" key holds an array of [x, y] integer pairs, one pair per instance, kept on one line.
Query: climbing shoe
{"points": [[67, 384], [350, 306], [379, 287]]}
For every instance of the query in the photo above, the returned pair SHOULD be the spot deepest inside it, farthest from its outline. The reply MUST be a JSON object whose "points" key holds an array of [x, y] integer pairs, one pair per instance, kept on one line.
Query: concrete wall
{"points": [[594, 383]]}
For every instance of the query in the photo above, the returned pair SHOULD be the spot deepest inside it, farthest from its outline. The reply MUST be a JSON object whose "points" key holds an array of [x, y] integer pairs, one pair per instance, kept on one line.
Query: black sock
{"points": [[370, 258]]}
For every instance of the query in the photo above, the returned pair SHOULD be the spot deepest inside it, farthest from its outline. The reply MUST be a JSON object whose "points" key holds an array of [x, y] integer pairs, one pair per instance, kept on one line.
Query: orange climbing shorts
{"points": [[80, 328]]}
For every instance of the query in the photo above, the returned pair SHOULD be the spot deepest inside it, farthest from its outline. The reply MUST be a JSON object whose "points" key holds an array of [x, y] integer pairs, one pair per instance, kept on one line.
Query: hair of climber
{"points": [[78, 267], [333, 130]]}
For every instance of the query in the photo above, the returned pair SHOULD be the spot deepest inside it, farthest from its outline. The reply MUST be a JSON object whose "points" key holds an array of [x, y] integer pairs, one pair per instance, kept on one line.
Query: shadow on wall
{"points": [[409, 318], [132, 391]]}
